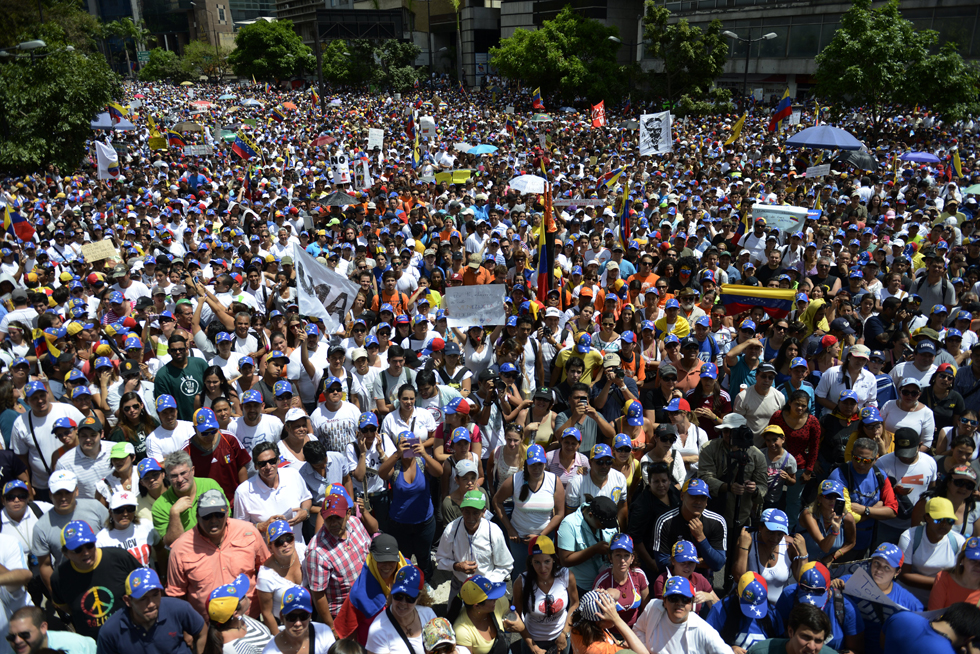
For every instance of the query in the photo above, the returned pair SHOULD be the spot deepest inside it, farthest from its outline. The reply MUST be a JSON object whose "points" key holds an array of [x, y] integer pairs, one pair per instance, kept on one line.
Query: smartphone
{"points": [[412, 442], [839, 507]]}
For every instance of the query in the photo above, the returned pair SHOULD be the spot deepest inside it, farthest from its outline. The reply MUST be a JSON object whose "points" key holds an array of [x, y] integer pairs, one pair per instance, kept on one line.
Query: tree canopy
{"points": [[359, 61], [164, 65], [878, 59], [200, 55], [570, 55], [270, 51], [691, 60]]}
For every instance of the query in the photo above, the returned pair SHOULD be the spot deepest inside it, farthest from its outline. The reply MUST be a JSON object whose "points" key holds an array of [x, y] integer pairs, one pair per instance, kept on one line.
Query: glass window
{"points": [[774, 48], [804, 41], [957, 29]]}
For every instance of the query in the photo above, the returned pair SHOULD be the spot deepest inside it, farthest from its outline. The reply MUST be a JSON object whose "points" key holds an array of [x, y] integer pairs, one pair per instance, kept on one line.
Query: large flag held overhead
{"points": [[536, 100], [777, 302], [116, 111], [783, 111], [278, 114], [609, 179], [244, 147], [655, 133], [737, 130], [175, 139], [322, 292], [599, 114], [108, 161], [16, 225]]}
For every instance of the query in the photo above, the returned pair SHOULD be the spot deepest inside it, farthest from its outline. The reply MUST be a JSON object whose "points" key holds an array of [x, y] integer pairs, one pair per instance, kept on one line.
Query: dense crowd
{"points": [[643, 455]]}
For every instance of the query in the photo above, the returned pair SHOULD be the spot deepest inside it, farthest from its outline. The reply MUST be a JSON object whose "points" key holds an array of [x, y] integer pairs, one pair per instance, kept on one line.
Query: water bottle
{"points": [[511, 615]]}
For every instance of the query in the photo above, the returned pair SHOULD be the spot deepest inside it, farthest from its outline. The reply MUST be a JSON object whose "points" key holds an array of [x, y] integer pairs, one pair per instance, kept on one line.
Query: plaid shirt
{"points": [[332, 565]]}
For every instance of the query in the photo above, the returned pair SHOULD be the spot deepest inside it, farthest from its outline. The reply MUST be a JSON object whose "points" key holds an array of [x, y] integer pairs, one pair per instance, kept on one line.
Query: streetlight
{"points": [[214, 30], [748, 49]]}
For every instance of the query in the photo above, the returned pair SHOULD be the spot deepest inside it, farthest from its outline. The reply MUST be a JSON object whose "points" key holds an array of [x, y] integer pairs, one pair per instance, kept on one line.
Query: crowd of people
{"points": [[641, 456]]}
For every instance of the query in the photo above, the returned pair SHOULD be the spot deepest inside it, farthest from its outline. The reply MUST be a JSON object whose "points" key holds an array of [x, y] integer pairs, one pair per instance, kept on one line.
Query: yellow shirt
{"points": [[468, 636], [592, 359]]}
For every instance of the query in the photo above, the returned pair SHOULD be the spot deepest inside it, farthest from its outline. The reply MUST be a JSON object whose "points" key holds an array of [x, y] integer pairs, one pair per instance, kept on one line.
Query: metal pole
{"points": [[319, 60], [745, 83], [428, 22]]}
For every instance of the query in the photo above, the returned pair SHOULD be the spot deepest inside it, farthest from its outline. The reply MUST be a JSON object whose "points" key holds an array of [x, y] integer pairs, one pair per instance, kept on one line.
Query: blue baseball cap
{"points": [[146, 466], [634, 414], [205, 420], [832, 487], [297, 598], [798, 362], [225, 337], [684, 551], [747, 326], [282, 387], [168, 402], [709, 370], [622, 440], [891, 554], [64, 423], [408, 580], [11, 486], [457, 405], [461, 434], [142, 581], [277, 529], [34, 387], [678, 586], [622, 542], [600, 451], [775, 520], [696, 487], [367, 419], [672, 304], [535, 454], [80, 391], [572, 432], [870, 415], [583, 344], [247, 396], [848, 394], [75, 534]]}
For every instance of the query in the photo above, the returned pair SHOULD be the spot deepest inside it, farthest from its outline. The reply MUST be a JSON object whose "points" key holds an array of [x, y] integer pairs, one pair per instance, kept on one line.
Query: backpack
{"points": [[917, 533], [456, 381], [922, 280], [35, 509]]}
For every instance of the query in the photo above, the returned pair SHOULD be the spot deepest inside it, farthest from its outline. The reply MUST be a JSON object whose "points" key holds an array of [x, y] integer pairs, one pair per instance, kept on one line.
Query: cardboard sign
{"points": [[99, 250], [427, 127], [481, 305], [375, 138], [198, 150], [158, 143], [817, 171], [453, 177]]}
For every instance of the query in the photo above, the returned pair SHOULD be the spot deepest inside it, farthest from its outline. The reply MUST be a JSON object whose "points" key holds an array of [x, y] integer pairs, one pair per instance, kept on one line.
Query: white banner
{"points": [[794, 118], [322, 292], [198, 150], [108, 161], [467, 306], [427, 127], [817, 171], [787, 219], [578, 202], [375, 138], [655, 133]]}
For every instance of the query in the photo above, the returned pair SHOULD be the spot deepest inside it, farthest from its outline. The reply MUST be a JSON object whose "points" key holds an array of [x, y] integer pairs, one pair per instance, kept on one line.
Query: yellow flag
{"points": [[737, 130], [817, 204], [957, 164]]}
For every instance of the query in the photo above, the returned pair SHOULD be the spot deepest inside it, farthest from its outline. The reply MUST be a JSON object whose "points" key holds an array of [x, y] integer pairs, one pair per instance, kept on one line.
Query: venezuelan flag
{"points": [[624, 222], [778, 302], [44, 344], [416, 156], [544, 269], [783, 111], [509, 126], [244, 148], [116, 112], [536, 100], [957, 164], [278, 114], [16, 225], [609, 179], [741, 230], [628, 107], [175, 139]]}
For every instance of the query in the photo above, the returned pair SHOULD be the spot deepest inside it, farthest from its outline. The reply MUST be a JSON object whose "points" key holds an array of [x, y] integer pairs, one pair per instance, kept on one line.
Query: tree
{"points": [[46, 106], [126, 30], [571, 55], [692, 58], [396, 70], [348, 63], [270, 51], [64, 22], [163, 65], [201, 55], [877, 59]]}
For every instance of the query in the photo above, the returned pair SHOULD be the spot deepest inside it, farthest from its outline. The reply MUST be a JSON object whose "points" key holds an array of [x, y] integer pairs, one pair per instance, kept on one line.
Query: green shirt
{"points": [[183, 384], [161, 508], [778, 646]]}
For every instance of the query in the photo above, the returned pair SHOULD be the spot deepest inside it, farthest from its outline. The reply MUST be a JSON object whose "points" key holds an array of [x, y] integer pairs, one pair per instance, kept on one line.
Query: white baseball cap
{"points": [[62, 480], [123, 498]]}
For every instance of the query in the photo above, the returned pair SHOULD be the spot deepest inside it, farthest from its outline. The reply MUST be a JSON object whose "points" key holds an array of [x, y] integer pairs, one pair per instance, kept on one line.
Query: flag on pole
{"points": [[628, 107], [957, 164], [536, 100], [599, 114], [783, 111], [316, 97], [416, 156], [108, 161], [16, 225], [624, 222], [116, 111], [175, 139], [737, 130], [244, 147], [816, 117], [509, 127], [254, 83], [278, 114], [609, 179], [44, 344]]}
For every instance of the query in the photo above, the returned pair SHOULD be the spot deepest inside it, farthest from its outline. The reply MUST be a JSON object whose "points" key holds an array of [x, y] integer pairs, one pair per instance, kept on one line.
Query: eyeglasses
{"points": [[403, 597], [209, 433], [965, 483], [860, 460], [284, 539], [943, 521], [267, 462], [945, 377], [603, 462], [124, 509], [910, 393], [23, 635], [297, 616], [678, 599], [624, 450], [84, 548]]}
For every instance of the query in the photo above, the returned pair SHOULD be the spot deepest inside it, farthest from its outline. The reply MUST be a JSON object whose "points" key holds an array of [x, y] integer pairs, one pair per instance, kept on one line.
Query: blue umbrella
{"points": [[483, 148], [251, 102], [920, 157], [227, 96], [824, 137]]}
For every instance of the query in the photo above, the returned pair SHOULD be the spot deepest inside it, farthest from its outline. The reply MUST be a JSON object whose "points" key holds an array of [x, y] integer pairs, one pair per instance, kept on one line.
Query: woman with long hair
{"points": [[134, 423], [479, 626], [124, 529], [625, 463], [627, 320], [565, 460], [708, 401], [802, 432], [281, 571], [624, 580], [298, 628], [776, 336], [539, 504], [295, 434], [961, 453], [539, 419], [215, 386], [958, 487], [789, 350], [81, 399], [961, 583], [909, 411], [946, 404], [966, 426], [771, 552], [596, 615], [690, 437], [871, 425], [829, 529], [506, 460], [607, 338], [545, 598]]}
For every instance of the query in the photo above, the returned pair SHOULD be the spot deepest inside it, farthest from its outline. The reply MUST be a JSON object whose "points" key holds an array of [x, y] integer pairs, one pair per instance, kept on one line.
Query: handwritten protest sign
{"points": [[467, 306], [817, 171], [787, 219], [158, 143], [375, 138], [98, 251]]}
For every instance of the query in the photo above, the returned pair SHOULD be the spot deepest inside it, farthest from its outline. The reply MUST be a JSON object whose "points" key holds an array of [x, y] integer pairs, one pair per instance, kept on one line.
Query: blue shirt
{"points": [[739, 375], [910, 633], [886, 389], [626, 269], [575, 535], [853, 624], [749, 630], [806, 387], [874, 614], [70, 643], [865, 492], [120, 635]]}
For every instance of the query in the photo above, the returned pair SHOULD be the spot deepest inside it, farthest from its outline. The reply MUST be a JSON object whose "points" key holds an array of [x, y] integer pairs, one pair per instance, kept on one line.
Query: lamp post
{"points": [[632, 47], [31, 46], [748, 50], [214, 30]]}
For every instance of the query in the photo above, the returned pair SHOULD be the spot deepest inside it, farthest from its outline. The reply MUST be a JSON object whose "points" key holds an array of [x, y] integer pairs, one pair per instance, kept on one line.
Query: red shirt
{"points": [[802, 443], [697, 580], [221, 465]]}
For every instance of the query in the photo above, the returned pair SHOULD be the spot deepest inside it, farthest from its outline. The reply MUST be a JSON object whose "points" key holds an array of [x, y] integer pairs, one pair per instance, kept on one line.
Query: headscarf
{"points": [[809, 317]]}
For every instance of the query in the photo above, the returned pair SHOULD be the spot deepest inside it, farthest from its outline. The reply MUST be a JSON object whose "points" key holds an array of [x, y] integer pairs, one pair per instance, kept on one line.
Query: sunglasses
{"points": [[946, 377], [84, 548], [965, 483], [669, 379], [403, 597], [678, 599], [625, 450], [124, 509], [297, 616], [860, 460], [283, 540], [944, 521], [23, 635], [971, 423], [910, 393], [19, 497], [668, 439]]}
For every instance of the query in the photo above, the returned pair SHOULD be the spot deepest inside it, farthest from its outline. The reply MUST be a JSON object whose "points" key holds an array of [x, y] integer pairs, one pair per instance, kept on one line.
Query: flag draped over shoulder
{"points": [[737, 130], [783, 111]]}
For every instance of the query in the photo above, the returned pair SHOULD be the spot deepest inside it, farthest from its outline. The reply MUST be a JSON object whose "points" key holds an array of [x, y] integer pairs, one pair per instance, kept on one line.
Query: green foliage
{"points": [[201, 56], [270, 51], [716, 101], [396, 71], [571, 55], [164, 64], [46, 107], [65, 22], [877, 59], [356, 63], [692, 58]]}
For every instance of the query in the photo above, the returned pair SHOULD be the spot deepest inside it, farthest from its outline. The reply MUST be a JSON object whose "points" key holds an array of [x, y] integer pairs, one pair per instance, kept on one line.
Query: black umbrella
{"points": [[338, 199], [859, 159]]}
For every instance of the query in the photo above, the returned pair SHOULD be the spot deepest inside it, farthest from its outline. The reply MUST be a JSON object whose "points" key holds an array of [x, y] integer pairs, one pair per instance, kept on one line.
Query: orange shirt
{"points": [[398, 302], [197, 567], [648, 282], [946, 592], [479, 276]]}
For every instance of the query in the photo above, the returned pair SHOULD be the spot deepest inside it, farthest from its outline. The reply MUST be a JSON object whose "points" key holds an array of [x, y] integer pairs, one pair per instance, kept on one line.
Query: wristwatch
{"points": [[867, 511]]}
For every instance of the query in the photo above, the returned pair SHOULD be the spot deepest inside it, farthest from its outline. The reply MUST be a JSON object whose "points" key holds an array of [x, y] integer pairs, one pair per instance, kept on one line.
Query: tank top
{"points": [[532, 515], [411, 503], [501, 470], [813, 547], [778, 576], [545, 429], [541, 623]]}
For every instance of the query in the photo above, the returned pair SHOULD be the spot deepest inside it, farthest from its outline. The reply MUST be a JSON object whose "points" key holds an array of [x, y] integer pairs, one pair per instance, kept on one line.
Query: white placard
{"points": [[198, 150], [427, 127], [787, 219], [375, 138], [322, 292], [817, 171], [655, 133], [543, 140], [794, 118], [398, 96], [862, 587], [509, 109], [483, 304], [578, 202], [758, 93]]}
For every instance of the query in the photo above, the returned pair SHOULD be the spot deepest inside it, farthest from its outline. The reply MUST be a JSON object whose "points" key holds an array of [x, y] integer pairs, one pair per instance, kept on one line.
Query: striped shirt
{"points": [[332, 565], [90, 472]]}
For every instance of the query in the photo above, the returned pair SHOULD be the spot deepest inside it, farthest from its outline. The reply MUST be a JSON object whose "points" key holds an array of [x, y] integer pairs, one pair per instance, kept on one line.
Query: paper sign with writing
{"points": [[375, 138], [578, 202], [427, 127], [158, 143], [198, 150], [817, 171], [467, 306], [787, 219], [99, 250]]}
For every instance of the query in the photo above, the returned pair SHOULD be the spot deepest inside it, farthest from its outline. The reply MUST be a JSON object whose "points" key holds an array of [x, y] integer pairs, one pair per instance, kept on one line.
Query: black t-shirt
{"points": [[943, 410], [765, 273], [644, 512], [827, 281], [672, 527], [93, 596], [654, 397], [10, 467]]}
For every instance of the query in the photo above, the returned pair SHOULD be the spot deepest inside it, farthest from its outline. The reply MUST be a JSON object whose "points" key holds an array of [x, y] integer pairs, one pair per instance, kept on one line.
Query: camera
{"points": [[546, 331], [620, 373]]}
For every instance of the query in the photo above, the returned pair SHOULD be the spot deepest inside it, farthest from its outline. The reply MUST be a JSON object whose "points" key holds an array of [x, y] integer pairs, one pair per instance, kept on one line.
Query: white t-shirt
{"points": [[917, 476], [297, 374], [908, 369], [12, 558], [421, 424], [372, 461], [268, 430], [336, 429], [256, 502], [323, 642], [582, 485], [161, 442], [384, 639], [22, 442], [922, 421], [929, 558], [137, 539], [270, 581], [23, 531], [228, 366]]}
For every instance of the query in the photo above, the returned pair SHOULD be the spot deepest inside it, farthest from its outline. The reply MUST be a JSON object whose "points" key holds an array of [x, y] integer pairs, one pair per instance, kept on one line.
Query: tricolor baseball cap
{"points": [[753, 595], [814, 582], [479, 589], [142, 581], [75, 534], [168, 402], [224, 599]]}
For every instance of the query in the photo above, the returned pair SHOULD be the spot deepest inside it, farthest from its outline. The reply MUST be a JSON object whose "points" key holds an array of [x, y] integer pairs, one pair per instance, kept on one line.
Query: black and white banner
{"points": [[322, 292], [655, 133]]}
